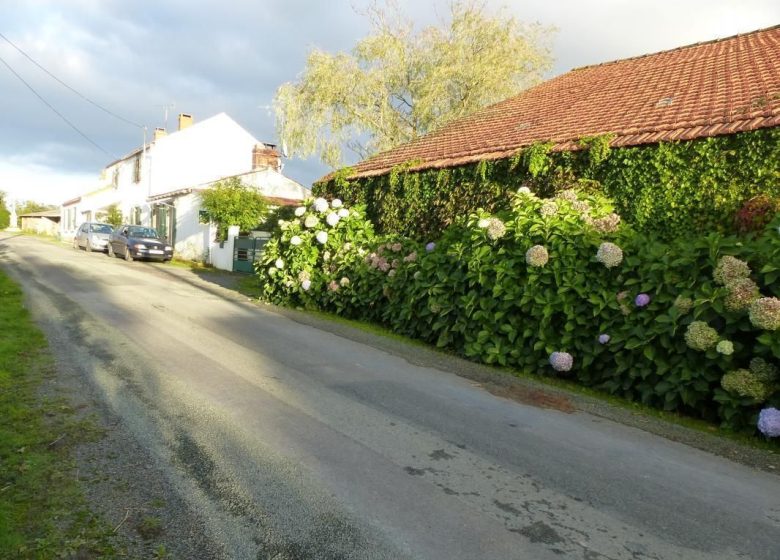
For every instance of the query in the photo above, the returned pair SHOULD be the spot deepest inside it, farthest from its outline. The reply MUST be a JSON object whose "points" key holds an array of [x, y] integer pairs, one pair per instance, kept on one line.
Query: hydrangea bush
{"points": [[557, 286]]}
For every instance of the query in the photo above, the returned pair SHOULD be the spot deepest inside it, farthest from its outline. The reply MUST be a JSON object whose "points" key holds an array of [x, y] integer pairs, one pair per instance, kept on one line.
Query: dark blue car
{"points": [[138, 242]]}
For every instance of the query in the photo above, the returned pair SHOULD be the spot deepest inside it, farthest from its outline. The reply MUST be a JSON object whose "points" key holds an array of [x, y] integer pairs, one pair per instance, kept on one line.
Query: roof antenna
{"points": [[165, 109]]}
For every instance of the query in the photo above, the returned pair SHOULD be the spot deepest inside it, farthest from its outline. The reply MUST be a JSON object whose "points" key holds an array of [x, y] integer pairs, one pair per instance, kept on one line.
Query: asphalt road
{"points": [[294, 443]]}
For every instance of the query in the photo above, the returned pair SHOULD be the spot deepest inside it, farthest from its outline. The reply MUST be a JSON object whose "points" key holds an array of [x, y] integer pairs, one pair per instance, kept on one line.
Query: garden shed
{"points": [[46, 222]]}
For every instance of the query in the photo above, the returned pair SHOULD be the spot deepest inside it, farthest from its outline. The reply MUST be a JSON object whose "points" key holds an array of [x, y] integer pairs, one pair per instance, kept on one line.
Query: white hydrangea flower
{"points": [[306, 284], [537, 256], [322, 237], [495, 229], [320, 204], [343, 213], [609, 254], [295, 240], [336, 203], [483, 223], [279, 264], [524, 191], [300, 211], [311, 221], [332, 219], [271, 270], [549, 208]]}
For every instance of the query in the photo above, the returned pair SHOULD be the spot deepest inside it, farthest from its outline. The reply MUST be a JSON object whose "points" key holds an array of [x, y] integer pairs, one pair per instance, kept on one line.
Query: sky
{"points": [[142, 58]]}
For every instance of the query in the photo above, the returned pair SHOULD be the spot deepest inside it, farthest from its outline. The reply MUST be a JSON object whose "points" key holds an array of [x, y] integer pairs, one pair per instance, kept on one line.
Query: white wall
{"points": [[274, 184], [207, 151], [192, 237], [221, 255]]}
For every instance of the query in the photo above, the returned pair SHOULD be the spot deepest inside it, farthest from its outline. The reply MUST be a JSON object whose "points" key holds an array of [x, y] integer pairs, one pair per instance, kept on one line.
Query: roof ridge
{"points": [[675, 49]]}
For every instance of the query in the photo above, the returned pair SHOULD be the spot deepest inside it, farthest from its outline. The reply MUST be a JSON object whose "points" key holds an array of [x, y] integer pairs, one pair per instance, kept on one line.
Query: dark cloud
{"points": [[208, 57]]}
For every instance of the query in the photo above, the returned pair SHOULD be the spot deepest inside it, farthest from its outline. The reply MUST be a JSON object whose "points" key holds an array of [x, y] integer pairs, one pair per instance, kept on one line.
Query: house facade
{"points": [[157, 185]]}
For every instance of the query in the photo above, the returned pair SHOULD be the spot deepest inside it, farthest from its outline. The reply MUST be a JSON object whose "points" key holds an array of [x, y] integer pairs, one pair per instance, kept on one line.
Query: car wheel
{"points": [[110, 250], [128, 255], [88, 247]]}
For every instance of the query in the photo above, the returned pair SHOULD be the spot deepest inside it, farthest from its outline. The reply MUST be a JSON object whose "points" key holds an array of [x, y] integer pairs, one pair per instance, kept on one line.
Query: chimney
{"points": [[159, 133], [185, 120], [264, 155]]}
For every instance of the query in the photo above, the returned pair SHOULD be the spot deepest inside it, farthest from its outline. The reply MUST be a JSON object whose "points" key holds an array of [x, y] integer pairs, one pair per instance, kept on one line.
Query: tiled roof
{"points": [[707, 89]]}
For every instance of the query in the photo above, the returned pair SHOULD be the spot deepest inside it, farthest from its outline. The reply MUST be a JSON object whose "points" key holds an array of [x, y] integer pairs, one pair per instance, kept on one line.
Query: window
{"points": [[137, 169], [115, 178]]}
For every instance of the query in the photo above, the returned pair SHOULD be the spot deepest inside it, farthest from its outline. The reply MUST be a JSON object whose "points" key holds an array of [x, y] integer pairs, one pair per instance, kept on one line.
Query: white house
{"points": [[158, 185]]}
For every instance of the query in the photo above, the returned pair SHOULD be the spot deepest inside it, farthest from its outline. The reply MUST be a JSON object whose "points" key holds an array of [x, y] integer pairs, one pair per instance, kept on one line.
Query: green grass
{"points": [[43, 512]]}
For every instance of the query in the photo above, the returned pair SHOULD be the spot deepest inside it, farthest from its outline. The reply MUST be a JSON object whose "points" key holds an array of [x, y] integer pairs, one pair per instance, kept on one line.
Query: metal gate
{"points": [[248, 249]]}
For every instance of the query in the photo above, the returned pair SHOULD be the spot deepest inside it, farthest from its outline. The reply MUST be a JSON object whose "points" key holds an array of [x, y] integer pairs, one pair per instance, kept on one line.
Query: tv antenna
{"points": [[165, 108]]}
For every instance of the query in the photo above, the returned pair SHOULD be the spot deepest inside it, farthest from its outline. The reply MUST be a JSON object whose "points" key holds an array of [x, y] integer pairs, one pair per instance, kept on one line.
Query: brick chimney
{"points": [[159, 133], [185, 121], [265, 155]]}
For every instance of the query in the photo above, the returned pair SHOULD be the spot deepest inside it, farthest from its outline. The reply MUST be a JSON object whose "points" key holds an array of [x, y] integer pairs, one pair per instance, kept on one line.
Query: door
{"points": [[164, 221]]}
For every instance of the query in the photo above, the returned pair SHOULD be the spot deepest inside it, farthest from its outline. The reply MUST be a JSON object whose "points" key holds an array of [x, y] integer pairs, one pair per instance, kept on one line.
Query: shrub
{"points": [[545, 287]]}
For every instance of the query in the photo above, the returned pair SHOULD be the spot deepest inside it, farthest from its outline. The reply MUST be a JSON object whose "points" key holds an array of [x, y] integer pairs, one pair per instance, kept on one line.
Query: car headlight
{"points": [[139, 246], [168, 248]]}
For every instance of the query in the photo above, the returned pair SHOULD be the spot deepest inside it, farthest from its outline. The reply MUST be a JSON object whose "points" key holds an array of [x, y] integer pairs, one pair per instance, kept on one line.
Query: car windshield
{"points": [[101, 228], [137, 231]]}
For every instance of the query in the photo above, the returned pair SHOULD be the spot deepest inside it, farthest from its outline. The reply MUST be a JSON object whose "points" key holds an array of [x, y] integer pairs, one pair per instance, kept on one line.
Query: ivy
{"points": [[667, 190]]}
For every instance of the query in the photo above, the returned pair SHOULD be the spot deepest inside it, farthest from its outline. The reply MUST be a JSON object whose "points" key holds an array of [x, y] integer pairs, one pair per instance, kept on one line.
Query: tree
{"points": [[30, 207], [114, 216], [231, 203], [397, 85], [5, 214]]}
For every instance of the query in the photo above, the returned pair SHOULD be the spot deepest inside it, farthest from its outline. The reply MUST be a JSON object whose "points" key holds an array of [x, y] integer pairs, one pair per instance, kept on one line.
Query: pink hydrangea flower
{"points": [[561, 361]]}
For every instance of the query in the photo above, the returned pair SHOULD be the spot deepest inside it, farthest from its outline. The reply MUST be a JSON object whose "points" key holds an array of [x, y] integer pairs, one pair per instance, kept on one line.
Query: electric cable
{"points": [[84, 97], [50, 106]]}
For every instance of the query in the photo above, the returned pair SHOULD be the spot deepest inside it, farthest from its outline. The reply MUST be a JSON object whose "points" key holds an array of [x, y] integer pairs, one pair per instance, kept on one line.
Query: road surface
{"points": [[293, 443]]}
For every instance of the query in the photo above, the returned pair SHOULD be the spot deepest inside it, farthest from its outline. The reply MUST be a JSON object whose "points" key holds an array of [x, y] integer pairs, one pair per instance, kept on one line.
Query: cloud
{"points": [[208, 57]]}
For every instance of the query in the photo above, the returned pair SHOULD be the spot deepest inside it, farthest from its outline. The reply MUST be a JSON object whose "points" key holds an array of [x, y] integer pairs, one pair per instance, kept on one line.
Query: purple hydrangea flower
{"points": [[769, 422], [641, 300], [604, 338], [430, 246], [561, 361]]}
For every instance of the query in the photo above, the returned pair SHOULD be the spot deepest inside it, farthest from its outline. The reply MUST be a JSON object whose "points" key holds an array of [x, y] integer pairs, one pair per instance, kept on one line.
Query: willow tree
{"points": [[399, 83]]}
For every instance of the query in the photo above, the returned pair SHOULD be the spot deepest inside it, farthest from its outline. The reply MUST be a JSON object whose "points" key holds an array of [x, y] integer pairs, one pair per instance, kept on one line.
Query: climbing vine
{"points": [[667, 189]]}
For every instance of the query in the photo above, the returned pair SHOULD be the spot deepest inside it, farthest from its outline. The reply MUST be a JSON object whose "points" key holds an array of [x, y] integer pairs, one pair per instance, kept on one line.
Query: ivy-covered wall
{"points": [[668, 189]]}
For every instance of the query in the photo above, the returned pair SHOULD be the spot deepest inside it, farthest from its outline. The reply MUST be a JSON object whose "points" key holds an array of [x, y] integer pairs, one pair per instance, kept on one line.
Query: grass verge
{"points": [[43, 512]]}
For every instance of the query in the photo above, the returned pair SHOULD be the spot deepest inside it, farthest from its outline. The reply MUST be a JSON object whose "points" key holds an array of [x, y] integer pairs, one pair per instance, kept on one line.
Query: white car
{"points": [[93, 236]]}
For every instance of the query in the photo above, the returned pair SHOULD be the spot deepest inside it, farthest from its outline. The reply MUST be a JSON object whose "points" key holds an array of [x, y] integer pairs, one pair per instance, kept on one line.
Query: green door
{"points": [[246, 250]]}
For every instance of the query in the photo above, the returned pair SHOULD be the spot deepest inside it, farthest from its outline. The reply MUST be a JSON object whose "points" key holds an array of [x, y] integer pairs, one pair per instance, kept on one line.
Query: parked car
{"points": [[138, 242], [92, 236]]}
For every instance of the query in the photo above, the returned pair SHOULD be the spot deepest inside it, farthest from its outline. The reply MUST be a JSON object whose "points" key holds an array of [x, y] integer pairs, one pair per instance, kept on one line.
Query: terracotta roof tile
{"points": [[719, 87]]}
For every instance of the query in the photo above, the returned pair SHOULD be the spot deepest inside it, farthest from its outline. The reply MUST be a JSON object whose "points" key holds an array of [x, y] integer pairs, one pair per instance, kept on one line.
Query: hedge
{"points": [[558, 287]]}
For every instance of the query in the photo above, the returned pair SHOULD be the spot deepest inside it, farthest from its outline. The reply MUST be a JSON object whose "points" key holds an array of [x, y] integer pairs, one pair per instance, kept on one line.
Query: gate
{"points": [[248, 249]]}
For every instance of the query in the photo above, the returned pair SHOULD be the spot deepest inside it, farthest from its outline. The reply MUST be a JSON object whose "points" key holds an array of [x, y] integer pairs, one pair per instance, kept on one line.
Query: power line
{"points": [[50, 106], [84, 97]]}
